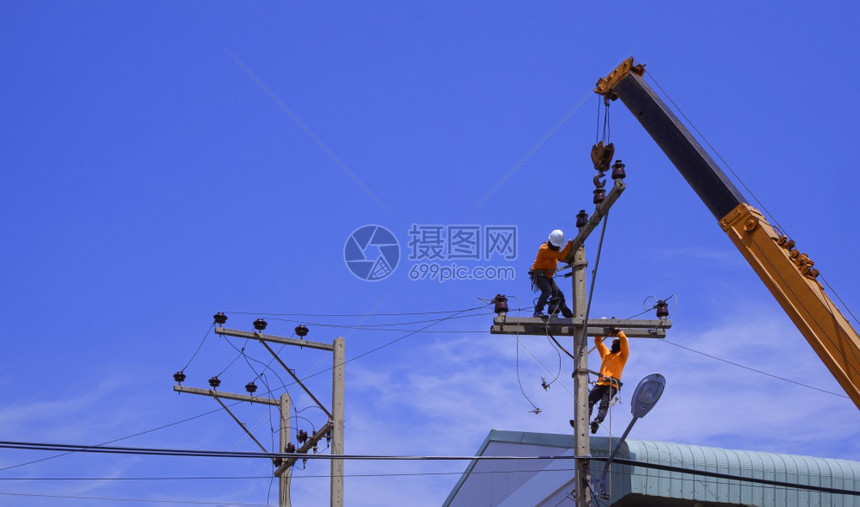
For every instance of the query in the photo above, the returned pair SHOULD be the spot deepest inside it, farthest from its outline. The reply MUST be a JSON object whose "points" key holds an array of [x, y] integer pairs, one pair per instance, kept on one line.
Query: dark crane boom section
{"points": [[701, 172]]}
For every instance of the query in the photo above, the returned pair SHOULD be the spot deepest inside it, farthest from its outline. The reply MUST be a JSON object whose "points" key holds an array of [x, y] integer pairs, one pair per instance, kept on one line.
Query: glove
{"points": [[610, 331]]}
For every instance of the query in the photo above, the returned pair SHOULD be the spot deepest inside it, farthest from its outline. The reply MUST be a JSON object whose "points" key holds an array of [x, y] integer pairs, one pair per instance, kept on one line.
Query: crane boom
{"points": [[786, 272]]}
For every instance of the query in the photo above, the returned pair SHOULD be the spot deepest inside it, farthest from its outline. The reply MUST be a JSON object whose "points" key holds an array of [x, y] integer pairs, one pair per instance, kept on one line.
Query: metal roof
{"points": [[549, 481]]}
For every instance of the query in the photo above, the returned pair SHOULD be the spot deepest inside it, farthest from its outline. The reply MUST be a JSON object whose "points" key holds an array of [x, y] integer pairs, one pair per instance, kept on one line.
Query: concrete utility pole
{"points": [[284, 479], [575, 327], [283, 403], [333, 428], [580, 330], [582, 441], [338, 384]]}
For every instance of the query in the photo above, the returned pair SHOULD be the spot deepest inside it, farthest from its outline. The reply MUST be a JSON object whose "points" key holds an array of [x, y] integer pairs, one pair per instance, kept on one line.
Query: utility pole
{"points": [[283, 403], [337, 395], [577, 328], [582, 441], [284, 479], [332, 429], [580, 327]]}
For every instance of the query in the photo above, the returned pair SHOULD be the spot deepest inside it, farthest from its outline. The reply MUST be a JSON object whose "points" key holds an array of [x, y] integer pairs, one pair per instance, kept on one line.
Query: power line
{"points": [[67, 452], [203, 453], [267, 477], [409, 333], [754, 370], [367, 457], [436, 312], [115, 499], [374, 326]]}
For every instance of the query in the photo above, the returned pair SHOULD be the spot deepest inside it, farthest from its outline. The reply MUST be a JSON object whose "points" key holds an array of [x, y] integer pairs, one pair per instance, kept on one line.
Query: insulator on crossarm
{"points": [[501, 304], [179, 377], [581, 219], [260, 324], [301, 331], [599, 195], [618, 171], [214, 382], [662, 309], [220, 318]]}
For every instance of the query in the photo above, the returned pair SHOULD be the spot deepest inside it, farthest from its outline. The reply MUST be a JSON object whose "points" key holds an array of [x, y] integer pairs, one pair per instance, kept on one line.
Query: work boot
{"points": [[566, 312], [594, 425], [539, 314]]}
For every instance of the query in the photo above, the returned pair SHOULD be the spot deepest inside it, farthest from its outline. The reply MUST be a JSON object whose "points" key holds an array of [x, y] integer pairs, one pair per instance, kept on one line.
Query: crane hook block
{"points": [[601, 156]]}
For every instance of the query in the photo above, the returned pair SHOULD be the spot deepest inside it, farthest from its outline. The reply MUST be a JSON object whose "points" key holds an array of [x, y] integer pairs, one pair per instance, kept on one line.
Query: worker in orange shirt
{"points": [[543, 271], [612, 363]]}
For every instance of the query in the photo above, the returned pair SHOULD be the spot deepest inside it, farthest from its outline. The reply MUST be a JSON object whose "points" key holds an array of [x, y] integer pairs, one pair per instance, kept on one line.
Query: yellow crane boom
{"points": [[787, 273]]}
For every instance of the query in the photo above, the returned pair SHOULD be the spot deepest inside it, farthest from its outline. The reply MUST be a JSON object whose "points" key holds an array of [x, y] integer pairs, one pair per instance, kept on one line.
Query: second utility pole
{"points": [[334, 425]]}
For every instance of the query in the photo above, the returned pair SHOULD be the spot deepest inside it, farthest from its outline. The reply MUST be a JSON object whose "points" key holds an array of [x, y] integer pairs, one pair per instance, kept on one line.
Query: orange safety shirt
{"points": [[611, 365], [547, 258]]}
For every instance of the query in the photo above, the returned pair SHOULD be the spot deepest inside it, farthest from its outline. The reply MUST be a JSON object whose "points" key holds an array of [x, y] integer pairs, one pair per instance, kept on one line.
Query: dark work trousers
{"points": [[547, 288], [603, 394]]}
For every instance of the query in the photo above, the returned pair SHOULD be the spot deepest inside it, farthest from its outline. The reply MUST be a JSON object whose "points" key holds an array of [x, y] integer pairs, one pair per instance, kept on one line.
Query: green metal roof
{"points": [[551, 480]]}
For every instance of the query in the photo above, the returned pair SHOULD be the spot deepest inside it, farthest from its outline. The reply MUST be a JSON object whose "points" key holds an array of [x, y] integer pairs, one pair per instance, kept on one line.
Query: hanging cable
{"points": [[560, 346], [606, 130], [240, 354], [594, 274], [535, 408], [198, 347], [554, 379]]}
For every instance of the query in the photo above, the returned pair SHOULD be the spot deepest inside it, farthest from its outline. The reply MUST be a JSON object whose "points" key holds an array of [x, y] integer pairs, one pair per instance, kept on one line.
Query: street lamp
{"points": [[645, 397]]}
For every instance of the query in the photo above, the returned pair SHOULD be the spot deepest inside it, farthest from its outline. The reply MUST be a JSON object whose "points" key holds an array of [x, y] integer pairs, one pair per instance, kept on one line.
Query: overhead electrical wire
{"points": [[367, 457], [267, 477], [375, 326], [486, 311], [203, 453], [199, 346], [139, 433], [435, 312], [387, 344], [516, 470], [310, 372], [434, 322], [516, 337], [409, 333], [753, 369], [530, 152], [147, 500]]}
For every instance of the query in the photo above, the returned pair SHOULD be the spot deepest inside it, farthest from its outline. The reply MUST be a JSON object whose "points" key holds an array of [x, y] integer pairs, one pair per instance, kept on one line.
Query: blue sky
{"points": [[151, 181]]}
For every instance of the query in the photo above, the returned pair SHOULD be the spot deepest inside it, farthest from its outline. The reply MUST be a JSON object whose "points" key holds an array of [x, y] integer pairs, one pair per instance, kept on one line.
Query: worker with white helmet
{"points": [[543, 271]]}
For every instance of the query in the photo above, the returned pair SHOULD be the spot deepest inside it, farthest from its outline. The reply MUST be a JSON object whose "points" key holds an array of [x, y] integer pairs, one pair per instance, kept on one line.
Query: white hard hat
{"points": [[556, 238]]}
